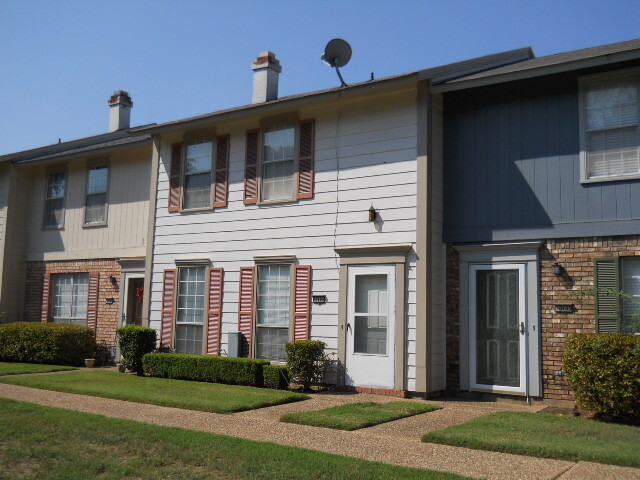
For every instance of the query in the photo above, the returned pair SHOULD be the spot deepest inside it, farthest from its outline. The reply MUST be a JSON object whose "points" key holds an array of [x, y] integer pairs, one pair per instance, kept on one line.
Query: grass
{"points": [[45, 442], [207, 397], [8, 368], [353, 416], [548, 436]]}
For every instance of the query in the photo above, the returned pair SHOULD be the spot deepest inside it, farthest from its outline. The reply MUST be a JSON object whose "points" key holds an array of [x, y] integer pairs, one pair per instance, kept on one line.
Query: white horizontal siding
{"points": [[374, 146]]}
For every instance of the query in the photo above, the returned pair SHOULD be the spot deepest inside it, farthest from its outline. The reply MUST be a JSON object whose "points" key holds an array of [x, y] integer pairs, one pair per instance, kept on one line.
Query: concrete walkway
{"points": [[395, 442]]}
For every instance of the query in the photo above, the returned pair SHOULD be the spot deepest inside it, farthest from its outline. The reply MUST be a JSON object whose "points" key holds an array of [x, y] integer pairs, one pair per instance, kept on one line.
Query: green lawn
{"points": [[207, 397], [45, 442], [353, 416], [545, 435], [7, 368]]}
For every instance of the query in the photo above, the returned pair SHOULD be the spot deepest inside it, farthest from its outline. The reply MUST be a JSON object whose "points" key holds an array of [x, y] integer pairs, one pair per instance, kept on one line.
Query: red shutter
{"points": [[168, 288], [221, 174], [174, 177], [245, 308], [305, 159], [251, 167], [92, 305], [214, 317], [302, 302], [46, 289]]}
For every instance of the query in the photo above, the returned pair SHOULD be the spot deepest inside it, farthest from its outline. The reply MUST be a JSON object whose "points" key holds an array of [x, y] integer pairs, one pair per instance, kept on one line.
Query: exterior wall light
{"points": [[557, 268], [113, 280], [372, 214]]}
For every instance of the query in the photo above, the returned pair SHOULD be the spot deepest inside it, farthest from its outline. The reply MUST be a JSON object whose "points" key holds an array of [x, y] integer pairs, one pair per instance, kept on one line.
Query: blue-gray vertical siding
{"points": [[512, 167]]}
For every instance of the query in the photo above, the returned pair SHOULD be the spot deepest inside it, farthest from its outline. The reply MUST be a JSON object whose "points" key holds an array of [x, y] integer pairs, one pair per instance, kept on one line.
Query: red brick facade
{"points": [[576, 256], [107, 314]]}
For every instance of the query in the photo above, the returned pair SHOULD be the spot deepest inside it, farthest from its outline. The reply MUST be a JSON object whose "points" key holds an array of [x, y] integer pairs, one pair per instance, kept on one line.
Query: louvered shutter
{"points": [[214, 316], [305, 159], [46, 289], [174, 177], [302, 302], [92, 304], [221, 174], [168, 292], [245, 308], [607, 282], [251, 167]]}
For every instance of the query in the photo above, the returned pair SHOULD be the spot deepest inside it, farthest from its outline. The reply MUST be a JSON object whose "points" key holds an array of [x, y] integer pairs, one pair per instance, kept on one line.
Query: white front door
{"points": [[370, 330], [497, 327]]}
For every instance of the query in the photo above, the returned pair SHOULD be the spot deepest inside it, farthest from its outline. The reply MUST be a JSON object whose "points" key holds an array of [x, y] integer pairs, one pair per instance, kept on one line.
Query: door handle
{"points": [[521, 328], [348, 326]]}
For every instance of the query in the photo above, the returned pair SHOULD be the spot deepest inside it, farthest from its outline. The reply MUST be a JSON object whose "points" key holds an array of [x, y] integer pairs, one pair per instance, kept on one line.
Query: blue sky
{"points": [[60, 61]]}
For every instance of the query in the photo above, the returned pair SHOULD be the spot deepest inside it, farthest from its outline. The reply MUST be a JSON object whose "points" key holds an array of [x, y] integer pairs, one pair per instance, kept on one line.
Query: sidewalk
{"points": [[395, 442]]}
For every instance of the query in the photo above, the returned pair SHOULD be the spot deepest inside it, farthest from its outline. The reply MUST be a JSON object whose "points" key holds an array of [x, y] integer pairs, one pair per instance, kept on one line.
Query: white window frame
{"points": [[287, 124], [94, 166], [203, 323], [49, 173], [601, 79], [625, 277], [75, 282], [197, 138]]}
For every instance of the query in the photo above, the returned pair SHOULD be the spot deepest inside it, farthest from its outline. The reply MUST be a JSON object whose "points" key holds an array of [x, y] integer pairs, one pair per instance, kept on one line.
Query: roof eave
{"points": [[538, 71]]}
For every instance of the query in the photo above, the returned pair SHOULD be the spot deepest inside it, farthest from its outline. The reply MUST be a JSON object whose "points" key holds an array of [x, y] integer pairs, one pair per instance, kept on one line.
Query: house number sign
{"points": [[566, 308]]}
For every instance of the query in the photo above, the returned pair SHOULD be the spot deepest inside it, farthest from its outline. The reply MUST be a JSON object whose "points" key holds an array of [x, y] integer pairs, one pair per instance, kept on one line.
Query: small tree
{"points": [[305, 359], [135, 342]]}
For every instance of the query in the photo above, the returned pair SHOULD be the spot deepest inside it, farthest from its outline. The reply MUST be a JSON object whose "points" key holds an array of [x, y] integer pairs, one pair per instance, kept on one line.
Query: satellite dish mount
{"points": [[337, 54]]}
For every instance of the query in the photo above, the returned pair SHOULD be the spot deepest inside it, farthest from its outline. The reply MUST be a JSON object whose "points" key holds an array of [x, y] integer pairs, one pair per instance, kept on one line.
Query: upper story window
{"points": [[279, 163], [54, 199], [197, 175], [95, 212], [610, 116]]}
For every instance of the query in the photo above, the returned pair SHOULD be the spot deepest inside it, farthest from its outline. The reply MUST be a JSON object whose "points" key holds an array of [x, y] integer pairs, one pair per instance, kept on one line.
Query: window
{"points": [[197, 175], [617, 282], [70, 298], [278, 162], [190, 311], [273, 311], [610, 116], [54, 200], [95, 212]]}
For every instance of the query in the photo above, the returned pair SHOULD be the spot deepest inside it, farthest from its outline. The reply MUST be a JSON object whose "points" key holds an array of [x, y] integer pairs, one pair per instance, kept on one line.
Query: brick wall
{"points": [[108, 315], [576, 256]]}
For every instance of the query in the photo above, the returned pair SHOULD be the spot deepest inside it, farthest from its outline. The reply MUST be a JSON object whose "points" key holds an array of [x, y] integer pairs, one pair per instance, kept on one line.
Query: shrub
{"points": [[276, 376], [604, 372], [205, 368], [135, 342], [50, 343], [305, 359]]}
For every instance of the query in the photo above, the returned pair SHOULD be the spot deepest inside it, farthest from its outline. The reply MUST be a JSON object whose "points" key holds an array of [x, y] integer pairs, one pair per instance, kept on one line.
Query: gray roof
{"points": [[435, 74], [566, 61], [106, 141]]}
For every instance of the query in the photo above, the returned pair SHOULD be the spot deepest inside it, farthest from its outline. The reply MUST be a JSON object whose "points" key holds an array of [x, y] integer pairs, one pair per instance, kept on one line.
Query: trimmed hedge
{"points": [[135, 342], [276, 376], [306, 361], [49, 343], [205, 368], [604, 372]]}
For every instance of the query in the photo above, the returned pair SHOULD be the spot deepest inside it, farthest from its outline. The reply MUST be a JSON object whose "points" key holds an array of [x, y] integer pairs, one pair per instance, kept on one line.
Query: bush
{"points": [[305, 359], [49, 343], [205, 368], [604, 372], [135, 342], [276, 376]]}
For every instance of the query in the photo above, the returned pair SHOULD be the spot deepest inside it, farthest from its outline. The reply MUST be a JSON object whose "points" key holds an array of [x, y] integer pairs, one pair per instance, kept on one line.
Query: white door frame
{"points": [[126, 276], [522, 322], [371, 370]]}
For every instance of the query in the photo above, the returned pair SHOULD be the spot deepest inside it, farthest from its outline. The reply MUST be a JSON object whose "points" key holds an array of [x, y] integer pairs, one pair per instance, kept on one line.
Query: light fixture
{"points": [[557, 268], [113, 280], [372, 214]]}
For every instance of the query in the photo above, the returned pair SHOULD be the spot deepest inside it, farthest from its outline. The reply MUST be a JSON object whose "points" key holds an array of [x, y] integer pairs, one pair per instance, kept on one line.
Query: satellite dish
{"points": [[337, 54]]}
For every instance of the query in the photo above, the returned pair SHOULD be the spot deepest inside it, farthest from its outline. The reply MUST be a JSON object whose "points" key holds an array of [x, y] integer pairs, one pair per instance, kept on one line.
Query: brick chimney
{"points": [[266, 70], [119, 111]]}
